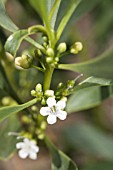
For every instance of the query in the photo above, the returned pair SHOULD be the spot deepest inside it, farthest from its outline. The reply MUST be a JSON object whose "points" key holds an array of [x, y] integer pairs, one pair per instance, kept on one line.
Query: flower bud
{"points": [[50, 52], [23, 62], [49, 60], [49, 93], [38, 87], [62, 47], [33, 92], [76, 47]]}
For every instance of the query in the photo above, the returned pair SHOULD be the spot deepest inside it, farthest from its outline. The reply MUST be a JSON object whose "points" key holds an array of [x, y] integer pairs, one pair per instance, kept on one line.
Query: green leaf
{"points": [[88, 97], [71, 8], [42, 8], [53, 6], [13, 42], [90, 140], [60, 161], [8, 143], [101, 66], [9, 110], [99, 166], [5, 21], [84, 7]]}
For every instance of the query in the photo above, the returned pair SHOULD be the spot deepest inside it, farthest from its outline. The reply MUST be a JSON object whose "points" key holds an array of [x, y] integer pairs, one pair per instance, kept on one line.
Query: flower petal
{"points": [[61, 104], [33, 155], [26, 141], [20, 145], [35, 148], [44, 111], [51, 102], [51, 119], [23, 154], [62, 115]]}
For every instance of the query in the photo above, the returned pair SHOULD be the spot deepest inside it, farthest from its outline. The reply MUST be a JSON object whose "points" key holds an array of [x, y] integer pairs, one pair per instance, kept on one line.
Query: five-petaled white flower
{"points": [[28, 148], [54, 110]]}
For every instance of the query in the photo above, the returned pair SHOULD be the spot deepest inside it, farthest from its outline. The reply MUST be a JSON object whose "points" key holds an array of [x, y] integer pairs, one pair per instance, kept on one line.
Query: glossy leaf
{"points": [[60, 161], [13, 42], [9, 110], [5, 21], [71, 8], [8, 143], [84, 7], [101, 66], [42, 8], [88, 97], [53, 6], [90, 140]]}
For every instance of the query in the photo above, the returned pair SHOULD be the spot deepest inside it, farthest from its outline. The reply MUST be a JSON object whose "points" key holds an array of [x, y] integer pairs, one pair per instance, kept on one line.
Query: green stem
{"points": [[48, 76], [31, 41], [38, 68]]}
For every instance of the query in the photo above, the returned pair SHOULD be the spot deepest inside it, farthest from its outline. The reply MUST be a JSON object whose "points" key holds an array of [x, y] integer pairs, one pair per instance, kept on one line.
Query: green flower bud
{"points": [[50, 52], [38, 87], [34, 108], [62, 47], [26, 119], [43, 125], [41, 136], [70, 83], [6, 100], [76, 47], [45, 38], [49, 60], [43, 102], [33, 92], [60, 85]]}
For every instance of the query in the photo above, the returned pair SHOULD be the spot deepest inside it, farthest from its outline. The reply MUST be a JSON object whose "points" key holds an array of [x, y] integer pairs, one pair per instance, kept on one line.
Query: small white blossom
{"points": [[54, 110], [28, 148]]}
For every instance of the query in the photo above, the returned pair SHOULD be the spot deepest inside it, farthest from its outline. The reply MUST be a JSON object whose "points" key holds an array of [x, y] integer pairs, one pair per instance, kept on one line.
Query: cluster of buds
{"points": [[65, 90], [23, 62], [38, 93]]}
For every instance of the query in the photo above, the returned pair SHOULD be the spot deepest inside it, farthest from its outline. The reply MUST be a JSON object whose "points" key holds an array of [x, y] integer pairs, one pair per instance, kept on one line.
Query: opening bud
{"points": [[62, 47], [23, 62], [76, 47]]}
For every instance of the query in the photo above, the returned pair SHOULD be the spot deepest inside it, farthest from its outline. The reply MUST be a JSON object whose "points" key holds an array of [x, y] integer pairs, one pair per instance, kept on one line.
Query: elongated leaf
{"points": [[72, 6], [102, 66], [99, 166], [60, 161], [90, 140], [53, 6], [5, 21], [88, 97], [9, 110], [7, 143], [42, 8]]}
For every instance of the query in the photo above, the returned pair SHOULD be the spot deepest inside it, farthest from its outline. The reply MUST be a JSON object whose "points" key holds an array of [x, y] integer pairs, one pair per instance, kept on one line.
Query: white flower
{"points": [[54, 110], [28, 148]]}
